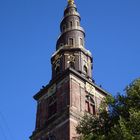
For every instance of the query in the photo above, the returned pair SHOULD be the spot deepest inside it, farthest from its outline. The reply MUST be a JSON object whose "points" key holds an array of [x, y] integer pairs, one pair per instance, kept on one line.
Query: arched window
{"points": [[57, 70], [85, 69], [72, 64], [77, 23], [71, 23], [81, 42], [71, 42], [90, 105]]}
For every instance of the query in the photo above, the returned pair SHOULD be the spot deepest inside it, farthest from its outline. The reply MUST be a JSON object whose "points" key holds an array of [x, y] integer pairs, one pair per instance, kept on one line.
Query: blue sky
{"points": [[28, 33]]}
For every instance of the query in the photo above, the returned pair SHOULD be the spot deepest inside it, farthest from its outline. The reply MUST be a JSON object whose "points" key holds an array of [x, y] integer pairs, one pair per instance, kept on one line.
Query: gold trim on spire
{"points": [[70, 1]]}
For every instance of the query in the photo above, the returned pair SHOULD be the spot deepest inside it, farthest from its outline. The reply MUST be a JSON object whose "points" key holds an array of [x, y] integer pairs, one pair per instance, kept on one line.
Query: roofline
{"points": [[61, 76]]}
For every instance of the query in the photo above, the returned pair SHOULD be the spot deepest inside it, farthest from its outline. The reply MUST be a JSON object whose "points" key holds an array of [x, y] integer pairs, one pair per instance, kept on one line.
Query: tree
{"points": [[118, 118]]}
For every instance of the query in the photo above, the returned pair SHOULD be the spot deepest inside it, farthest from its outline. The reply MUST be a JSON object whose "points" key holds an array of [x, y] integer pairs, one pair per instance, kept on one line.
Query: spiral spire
{"points": [[70, 1]]}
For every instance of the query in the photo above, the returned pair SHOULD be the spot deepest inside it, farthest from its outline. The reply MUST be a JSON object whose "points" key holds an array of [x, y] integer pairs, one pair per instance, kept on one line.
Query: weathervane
{"points": [[71, 1]]}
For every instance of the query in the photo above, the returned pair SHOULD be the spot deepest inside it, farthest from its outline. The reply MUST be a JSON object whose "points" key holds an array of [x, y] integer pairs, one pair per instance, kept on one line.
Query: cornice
{"points": [[62, 76]]}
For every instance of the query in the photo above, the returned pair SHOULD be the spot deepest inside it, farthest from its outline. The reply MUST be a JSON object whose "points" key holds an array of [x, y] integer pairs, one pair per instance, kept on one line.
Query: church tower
{"points": [[71, 92]]}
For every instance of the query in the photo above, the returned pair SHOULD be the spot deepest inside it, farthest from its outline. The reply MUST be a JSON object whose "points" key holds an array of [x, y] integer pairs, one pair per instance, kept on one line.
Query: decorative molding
{"points": [[71, 58], [49, 93], [82, 84], [57, 58], [90, 88]]}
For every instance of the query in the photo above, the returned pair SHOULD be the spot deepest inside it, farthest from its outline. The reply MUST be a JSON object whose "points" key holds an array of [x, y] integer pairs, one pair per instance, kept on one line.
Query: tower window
{"points": [[90, 105], [77, 23], [71, 42], [85, 69], [72, 65], [87, 107], [81, 42], [57, 70], [71, 23]]}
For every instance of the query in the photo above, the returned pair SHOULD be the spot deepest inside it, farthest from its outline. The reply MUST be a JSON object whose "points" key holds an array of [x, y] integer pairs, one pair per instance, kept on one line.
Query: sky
{"points": [[28, 33]]}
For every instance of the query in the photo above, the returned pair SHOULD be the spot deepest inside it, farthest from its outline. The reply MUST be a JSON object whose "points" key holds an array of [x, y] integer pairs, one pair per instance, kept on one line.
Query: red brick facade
{"points": [[69, 99]]}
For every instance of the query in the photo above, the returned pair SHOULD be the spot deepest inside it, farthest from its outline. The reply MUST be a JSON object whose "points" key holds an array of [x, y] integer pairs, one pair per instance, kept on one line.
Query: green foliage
{"points": [[118, 118]]}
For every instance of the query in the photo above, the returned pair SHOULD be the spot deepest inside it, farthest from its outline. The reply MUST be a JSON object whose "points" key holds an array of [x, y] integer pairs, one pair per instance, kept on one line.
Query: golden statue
{"points": [[71, 1]]}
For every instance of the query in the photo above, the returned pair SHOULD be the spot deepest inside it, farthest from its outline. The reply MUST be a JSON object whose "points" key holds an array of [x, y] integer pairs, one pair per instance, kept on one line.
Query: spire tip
{"points": [[70, 1]]}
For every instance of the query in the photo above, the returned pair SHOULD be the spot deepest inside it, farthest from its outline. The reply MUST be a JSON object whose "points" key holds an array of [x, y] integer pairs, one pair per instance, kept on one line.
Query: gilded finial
{"points": [[70, 1]]}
